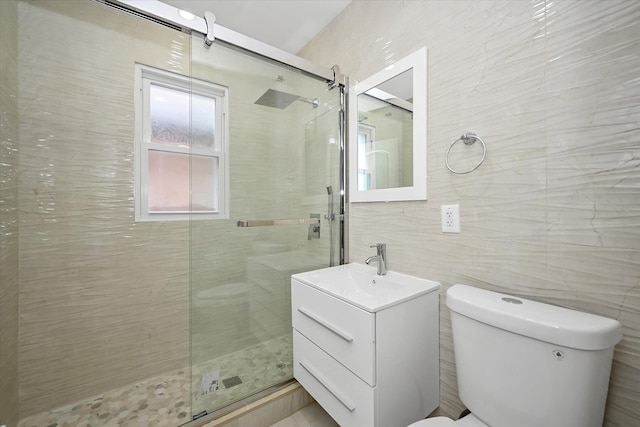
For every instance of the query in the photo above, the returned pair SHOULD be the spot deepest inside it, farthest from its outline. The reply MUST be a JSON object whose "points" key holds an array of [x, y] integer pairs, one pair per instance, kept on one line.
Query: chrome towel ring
{"points": [[468, 138]]}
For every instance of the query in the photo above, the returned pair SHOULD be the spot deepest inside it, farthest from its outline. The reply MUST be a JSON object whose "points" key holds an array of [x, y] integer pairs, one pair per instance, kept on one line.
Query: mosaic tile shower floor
{"points": [[164, 401]]}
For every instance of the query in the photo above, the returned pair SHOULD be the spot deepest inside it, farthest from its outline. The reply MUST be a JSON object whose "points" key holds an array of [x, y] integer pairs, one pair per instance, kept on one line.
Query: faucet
{"points": [[380, 258]]}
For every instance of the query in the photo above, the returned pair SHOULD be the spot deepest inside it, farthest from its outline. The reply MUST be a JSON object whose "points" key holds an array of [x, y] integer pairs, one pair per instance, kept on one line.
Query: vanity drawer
{"points": [[344, 396], [344, 331]]}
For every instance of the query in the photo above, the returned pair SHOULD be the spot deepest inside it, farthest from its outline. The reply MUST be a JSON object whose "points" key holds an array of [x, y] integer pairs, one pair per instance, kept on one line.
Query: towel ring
{"points": [[468, 138]]}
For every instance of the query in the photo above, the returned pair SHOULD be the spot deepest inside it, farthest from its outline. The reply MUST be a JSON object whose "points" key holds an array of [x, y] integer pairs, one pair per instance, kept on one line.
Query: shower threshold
{"points": [[164, 400]]}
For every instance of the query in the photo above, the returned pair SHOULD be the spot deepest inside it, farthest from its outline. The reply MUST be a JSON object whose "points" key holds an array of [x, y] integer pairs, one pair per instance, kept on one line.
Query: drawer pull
{"points": [[326, 324], [334, 393]]}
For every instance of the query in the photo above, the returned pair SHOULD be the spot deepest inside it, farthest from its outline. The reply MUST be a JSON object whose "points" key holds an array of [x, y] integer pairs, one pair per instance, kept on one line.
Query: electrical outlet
{"points": [[450, 218]]}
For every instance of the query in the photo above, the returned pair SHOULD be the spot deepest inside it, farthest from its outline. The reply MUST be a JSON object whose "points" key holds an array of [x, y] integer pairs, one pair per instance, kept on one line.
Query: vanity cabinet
{"points": [[367, 351]]}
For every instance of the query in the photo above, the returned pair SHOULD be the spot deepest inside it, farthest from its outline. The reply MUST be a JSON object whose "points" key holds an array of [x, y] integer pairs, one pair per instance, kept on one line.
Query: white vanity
{"points": [[366, 347]]}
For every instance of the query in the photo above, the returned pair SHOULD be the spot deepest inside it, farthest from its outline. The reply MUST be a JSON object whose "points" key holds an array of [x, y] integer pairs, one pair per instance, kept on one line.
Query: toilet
{"points": [[522, 363]]}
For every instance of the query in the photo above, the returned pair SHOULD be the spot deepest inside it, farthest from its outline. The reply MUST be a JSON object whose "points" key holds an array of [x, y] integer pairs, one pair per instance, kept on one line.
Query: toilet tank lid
{"points": [[544, 322]]}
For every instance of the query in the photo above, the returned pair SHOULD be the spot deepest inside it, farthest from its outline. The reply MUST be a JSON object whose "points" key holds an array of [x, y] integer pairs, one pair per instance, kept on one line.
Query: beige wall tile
{"points": [[9, 213], [552, 214]]}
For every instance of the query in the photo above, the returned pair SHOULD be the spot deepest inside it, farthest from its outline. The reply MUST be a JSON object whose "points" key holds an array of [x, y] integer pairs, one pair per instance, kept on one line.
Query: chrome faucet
{"points": [[380, 258]]}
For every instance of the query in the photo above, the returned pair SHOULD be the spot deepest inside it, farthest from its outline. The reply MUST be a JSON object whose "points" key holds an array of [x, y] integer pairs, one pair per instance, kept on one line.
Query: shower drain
{"points": [[281, 365], [231, 381]]}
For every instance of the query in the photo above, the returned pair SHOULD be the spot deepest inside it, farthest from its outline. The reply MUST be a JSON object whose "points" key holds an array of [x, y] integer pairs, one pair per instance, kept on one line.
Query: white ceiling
{"points": [[286, 24]]}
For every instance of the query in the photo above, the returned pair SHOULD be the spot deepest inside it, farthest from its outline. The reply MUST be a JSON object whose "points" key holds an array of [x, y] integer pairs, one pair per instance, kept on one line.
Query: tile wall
{"points": [[554, 212], [9, 213], [104, 301]]}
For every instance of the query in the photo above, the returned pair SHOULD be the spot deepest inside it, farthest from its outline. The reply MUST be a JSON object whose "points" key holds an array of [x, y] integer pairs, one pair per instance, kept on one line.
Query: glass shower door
{"points": [[282, 195]]}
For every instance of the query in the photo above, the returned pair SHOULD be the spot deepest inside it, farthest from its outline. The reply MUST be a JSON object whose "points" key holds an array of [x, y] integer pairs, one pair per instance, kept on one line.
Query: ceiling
{"points": [[286, 24]]}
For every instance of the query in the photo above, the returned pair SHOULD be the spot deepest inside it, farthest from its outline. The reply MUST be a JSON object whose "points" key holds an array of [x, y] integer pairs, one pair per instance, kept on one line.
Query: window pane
{"points": [[204, 184], [362, 150], [203, 121], [169, 112], [169, 177]]}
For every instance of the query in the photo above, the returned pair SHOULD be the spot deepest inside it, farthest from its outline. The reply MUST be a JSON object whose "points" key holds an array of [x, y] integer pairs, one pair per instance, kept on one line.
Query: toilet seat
{"points": [[436, 422]]}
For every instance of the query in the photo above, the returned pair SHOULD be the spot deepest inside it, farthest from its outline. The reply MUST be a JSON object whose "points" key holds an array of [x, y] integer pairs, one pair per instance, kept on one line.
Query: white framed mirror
{"points": [[388, 133]]}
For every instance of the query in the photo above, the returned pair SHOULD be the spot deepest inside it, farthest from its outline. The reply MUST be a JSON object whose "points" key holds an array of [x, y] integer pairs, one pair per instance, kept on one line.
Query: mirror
{"points": [[387, 146]]}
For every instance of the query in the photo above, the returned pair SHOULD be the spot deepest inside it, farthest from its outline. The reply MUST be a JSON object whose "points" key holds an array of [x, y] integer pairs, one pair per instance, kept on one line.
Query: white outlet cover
{"points": [[450, 218]]}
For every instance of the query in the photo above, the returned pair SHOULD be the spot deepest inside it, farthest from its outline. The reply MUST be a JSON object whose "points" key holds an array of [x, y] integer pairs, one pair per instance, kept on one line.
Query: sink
{"points": [[360, 285]]}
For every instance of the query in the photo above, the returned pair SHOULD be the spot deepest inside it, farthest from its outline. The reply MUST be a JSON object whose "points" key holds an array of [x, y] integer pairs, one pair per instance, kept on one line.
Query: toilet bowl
{"points": [[514, 356], [468, 421]]}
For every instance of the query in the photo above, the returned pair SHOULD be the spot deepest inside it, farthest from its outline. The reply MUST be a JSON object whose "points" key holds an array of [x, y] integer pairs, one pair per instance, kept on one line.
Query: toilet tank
{"points": [[528, 364]]}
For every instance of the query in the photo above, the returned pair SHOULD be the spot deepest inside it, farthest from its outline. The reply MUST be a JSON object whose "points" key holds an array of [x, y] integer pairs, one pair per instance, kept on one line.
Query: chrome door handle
{"points": [[277, 222]]}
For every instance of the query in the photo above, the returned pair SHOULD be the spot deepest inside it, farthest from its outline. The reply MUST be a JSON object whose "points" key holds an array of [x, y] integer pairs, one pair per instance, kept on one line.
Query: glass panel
{"points": [[121, 287], [116, 336], [284, 162], [174, 113], [170, 175]]}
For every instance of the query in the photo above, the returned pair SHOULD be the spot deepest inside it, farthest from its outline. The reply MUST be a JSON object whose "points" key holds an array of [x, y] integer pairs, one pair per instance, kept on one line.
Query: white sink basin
{"points": [[360, 285]]}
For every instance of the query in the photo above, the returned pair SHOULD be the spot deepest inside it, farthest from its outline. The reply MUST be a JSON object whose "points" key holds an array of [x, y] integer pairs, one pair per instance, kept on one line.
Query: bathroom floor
{"points": [[310, 416], [165, 400]]}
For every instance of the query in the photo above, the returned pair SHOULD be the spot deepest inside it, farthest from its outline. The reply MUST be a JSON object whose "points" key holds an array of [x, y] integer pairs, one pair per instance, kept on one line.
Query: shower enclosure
{"points": [[156, 245]]}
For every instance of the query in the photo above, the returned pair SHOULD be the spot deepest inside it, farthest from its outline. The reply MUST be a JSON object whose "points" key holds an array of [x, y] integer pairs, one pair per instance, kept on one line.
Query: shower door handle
{"points": [[277, 222]]}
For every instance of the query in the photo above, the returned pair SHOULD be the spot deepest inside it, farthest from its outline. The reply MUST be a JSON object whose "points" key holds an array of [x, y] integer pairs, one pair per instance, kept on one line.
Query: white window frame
{"points": [[145, 76]]}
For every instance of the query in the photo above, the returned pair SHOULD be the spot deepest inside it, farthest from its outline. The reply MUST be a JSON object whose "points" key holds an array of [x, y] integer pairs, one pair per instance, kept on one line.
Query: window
{"points": [[366, 160], [181, 147]]}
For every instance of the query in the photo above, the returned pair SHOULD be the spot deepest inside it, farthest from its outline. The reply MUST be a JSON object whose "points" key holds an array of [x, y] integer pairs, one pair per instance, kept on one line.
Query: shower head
{"points": [[276, 99], [329, 190]]}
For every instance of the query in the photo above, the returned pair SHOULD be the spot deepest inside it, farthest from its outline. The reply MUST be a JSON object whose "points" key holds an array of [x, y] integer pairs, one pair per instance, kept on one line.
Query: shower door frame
{"points": [[206, 28], [210, 31]]}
